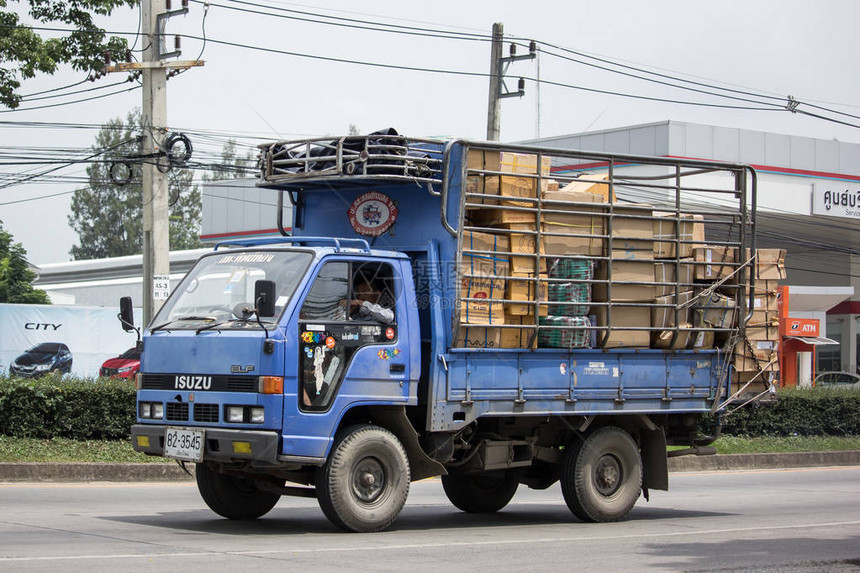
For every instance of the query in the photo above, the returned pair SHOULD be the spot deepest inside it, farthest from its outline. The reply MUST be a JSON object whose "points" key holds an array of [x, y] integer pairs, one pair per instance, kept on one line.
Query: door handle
{"points": [[397, 368]]}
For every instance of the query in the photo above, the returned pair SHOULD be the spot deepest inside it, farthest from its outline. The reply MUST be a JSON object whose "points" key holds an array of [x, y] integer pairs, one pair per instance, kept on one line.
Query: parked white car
{"points": [[837, 380]]}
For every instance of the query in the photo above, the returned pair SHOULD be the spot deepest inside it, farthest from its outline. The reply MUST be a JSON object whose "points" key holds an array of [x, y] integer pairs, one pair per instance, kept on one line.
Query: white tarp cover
{"points": [[93, 334]]}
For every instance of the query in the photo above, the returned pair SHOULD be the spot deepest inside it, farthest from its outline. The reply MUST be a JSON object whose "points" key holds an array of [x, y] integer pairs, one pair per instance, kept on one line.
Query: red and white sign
{"points": [[372, 214], [808, 327]]}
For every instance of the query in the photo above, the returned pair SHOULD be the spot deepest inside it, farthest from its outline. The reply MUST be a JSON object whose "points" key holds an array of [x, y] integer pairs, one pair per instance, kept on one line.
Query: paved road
{"points": [[767, 520]]}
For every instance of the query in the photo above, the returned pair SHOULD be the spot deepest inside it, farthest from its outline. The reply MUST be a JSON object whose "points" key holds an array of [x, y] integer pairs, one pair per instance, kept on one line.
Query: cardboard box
{"points": [[663, 339], [625, 271], [755, 355], [564, 222], [714, 262], [664, 316], [522, 286], [761, 380], [701, 340], [624, 318], [525, 187], [692, 228], [490, 215], [770, 264], [524, 163], [590, 183], [632, 237], [762, 333], [482, 160], [478, 337], [717, 311], [763, 318], [513, 337], [665, 273], [525, 243], [487, 280]]}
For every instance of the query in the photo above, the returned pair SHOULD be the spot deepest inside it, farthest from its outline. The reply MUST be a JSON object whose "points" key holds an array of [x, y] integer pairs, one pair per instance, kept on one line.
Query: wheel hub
{"points": [[607, 475], [368, 480]]}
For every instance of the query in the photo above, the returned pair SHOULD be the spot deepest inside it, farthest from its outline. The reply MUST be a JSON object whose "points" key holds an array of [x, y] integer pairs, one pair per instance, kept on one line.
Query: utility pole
{"points": [[156, 163], [498, 90], [494, 106], [156, 229]]}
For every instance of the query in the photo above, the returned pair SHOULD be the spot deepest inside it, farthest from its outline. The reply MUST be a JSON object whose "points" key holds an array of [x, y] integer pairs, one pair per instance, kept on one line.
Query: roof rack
{"points": [[339, 244], [367, 158]]}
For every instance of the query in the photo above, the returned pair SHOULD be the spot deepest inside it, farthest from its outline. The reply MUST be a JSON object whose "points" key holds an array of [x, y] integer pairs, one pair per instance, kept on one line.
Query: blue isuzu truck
{"points": [[486, 313]]}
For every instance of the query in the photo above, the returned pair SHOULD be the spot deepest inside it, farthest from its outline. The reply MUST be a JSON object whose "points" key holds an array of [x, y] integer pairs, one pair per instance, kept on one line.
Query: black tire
{"points": [[364, 484], [601, 478], [480, 493], [233, 497]]}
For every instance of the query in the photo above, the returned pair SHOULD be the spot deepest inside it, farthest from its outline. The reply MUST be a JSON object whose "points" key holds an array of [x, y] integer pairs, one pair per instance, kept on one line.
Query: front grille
{"points": [[108, 372], [241, 383], [206, 412], [177, 411], [217, 383]]}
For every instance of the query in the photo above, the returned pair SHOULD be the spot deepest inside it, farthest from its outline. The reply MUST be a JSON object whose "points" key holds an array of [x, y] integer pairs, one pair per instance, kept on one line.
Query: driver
{"points": [[365, 304]]}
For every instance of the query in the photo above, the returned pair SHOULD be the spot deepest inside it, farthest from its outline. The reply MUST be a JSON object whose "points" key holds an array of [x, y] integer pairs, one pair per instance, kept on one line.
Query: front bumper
{"points": [[218, 443]]}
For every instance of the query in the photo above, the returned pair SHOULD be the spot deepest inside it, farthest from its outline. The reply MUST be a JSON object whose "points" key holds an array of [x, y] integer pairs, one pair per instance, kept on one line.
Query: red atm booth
{"points": [[799, 338]]}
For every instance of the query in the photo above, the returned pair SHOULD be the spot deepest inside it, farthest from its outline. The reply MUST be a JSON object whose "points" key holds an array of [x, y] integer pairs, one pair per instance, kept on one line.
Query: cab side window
{"points": [[327, 299]]}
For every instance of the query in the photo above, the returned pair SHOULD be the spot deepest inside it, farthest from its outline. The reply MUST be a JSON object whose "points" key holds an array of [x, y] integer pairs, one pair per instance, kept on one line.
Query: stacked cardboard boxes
{"points": [[755, 357]]}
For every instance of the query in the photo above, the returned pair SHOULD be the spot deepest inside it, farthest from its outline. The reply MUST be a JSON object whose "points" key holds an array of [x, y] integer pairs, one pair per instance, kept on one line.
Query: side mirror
{"points": [[126, 314], [264, 298]]}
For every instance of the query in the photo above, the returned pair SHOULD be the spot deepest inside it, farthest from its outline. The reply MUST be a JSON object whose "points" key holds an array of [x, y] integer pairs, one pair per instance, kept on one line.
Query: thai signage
{"points": [[836, 199]]}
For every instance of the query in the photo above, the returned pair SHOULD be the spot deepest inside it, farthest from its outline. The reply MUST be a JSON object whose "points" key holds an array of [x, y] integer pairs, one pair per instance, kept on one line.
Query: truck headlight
{"points": [[235, 414], [258, 415], [157, 410]]}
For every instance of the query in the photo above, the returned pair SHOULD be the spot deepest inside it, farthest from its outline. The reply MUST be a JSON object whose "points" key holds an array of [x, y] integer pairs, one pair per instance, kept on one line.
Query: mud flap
{"points": [[655, 463]]}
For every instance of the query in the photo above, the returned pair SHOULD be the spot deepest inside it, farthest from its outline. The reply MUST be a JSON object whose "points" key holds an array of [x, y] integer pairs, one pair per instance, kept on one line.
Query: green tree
{"points": [[25, 52], [231, 166], [16, 275], [108, 216]]}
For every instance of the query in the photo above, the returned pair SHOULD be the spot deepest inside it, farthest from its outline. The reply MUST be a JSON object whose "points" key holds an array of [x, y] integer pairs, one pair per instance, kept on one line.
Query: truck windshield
{"points": [[221, 281]]}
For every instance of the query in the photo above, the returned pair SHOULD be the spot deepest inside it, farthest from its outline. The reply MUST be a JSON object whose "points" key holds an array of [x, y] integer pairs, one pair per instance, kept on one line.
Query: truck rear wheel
{"points": [[601, 477], [480, 493], [364, 484], [233, 497]]}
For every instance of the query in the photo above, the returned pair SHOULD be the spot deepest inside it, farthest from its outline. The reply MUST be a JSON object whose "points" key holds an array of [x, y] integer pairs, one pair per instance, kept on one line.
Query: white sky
{"points": [[806, 49]]}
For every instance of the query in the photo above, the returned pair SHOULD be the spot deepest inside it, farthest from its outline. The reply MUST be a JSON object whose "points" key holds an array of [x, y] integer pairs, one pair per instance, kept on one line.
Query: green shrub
{"points": [[800, 412], [64, 407]]}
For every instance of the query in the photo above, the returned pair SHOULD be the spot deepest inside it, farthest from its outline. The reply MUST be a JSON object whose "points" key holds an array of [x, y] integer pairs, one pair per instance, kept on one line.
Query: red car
{"points": [[125, 365]]}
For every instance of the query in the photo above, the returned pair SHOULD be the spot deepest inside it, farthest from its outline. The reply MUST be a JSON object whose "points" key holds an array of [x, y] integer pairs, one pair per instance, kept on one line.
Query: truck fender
{"points": [[394, 419]]}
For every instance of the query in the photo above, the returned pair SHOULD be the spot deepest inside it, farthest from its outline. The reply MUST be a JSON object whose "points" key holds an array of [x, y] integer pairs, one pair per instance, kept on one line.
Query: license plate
{"points": [[183, 444]]}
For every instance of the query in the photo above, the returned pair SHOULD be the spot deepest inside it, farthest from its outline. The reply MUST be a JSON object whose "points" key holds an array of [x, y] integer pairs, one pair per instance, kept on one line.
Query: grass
{"points": [[765, 444], [63, 450]]}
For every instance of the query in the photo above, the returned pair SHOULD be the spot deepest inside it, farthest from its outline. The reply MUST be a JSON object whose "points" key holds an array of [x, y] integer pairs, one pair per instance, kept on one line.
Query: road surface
{"points": [[774, 520]]}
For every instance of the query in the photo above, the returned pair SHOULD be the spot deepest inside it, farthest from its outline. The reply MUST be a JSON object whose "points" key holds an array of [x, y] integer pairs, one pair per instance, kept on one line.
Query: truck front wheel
{"points": [[233, 497], [601, 477], [480, 493], [364, 484]]}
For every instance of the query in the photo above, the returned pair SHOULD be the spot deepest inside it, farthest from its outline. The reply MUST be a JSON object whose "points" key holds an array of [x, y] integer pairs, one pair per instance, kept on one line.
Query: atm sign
{"points": [[800, 326]]}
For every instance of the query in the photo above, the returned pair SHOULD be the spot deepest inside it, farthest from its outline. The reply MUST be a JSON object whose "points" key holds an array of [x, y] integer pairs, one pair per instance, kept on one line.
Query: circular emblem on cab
{"points": [[372, 214]]}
